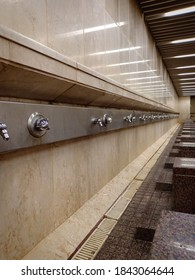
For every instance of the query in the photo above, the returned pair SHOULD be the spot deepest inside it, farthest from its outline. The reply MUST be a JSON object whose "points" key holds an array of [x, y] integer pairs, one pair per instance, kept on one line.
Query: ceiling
{"points": [[170, 28]]}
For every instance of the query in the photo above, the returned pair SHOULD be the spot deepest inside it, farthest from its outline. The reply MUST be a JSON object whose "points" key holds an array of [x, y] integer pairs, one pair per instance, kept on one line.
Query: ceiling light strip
{"points": [[180, 11]]}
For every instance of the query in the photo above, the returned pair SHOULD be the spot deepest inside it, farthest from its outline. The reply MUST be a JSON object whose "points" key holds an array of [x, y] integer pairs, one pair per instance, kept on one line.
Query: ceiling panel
{"points": [[167, 29]]}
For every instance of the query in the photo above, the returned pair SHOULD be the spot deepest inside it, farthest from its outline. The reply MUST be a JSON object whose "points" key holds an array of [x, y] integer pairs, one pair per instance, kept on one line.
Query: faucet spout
{"points": [[3, 131]]}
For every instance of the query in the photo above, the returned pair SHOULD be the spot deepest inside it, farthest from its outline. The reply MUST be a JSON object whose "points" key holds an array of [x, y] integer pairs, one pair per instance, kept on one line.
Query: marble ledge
{"points": [[22, 40], [34, 56]]}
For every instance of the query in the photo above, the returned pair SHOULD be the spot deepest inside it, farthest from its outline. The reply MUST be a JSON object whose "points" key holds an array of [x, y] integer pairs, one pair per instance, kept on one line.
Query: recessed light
{"points": [[186, 40], [183, 74], [188, 83], [180, 11], [184, 55], [185, 67], [187, 79]]}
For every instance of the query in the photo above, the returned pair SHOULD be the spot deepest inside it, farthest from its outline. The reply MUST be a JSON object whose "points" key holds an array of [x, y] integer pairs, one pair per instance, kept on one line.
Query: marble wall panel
{"points": [[112, 45], [42, 187], [26, 191], [184, 108], [94, 25], [65, 28], [124, 17], [112, 7], [26, 17]]}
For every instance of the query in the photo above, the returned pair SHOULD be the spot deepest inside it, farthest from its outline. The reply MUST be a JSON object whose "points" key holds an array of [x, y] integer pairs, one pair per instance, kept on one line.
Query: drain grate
{"points": [[95, 241]]}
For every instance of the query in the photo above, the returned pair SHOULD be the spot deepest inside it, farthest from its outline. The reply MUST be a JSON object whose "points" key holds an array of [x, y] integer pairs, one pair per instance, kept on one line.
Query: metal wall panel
{"points": [[65, 122]]}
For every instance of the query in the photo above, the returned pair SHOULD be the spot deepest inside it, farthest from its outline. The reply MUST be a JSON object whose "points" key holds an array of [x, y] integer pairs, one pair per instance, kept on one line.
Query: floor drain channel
{"points": [[95, 241]]}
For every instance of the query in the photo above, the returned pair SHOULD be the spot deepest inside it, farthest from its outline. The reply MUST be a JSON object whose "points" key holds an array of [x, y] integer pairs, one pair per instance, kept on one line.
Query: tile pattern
{"points": [[126, 241], [169, 162], [165, 180], [174, 153]]}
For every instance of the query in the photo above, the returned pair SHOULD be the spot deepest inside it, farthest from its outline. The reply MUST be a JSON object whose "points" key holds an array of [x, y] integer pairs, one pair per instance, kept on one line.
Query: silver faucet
{"points": [[38, 125], [128, 118], [143, 117], [104, 121], [42, 124], [97, 121], [4, 132]]}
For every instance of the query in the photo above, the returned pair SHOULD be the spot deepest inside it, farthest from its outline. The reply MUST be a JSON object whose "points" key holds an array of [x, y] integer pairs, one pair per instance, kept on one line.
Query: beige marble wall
{"points": [[184, 108], [41, 187], [108, 36]]}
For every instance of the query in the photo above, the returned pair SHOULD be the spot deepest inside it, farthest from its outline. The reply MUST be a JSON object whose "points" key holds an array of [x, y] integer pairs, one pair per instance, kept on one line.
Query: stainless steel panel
{"points": [[65, 122]]}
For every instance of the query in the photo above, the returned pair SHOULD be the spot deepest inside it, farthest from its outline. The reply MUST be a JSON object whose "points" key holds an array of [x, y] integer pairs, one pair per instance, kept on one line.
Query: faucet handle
{"points": [[129, 118], [104, 121], [37, 125], [4, 132], [42, 124], [97, 121]]}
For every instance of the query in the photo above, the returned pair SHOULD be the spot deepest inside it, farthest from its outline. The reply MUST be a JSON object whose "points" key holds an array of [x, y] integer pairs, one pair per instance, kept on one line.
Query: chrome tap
{"points": [[4, 132], [151, 117], [143, 117], [97, 121], [37, 125], [104, 121], [42, 124], [128, 118]]}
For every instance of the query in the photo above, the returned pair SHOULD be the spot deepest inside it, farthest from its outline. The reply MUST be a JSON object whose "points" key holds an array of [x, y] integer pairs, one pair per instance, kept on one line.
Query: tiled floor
{"points": [[132, 236]]}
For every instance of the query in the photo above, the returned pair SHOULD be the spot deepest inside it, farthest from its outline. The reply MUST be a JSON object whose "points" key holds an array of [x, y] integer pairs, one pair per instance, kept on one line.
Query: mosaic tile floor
{"points": [[133, 234]]}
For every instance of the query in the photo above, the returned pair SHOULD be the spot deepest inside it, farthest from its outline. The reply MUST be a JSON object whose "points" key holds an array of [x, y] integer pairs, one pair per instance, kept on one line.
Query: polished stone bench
{"points": [[187, 132], [186, 149], [174, 238], [191, 129], [187, 138], [184, 185]]}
